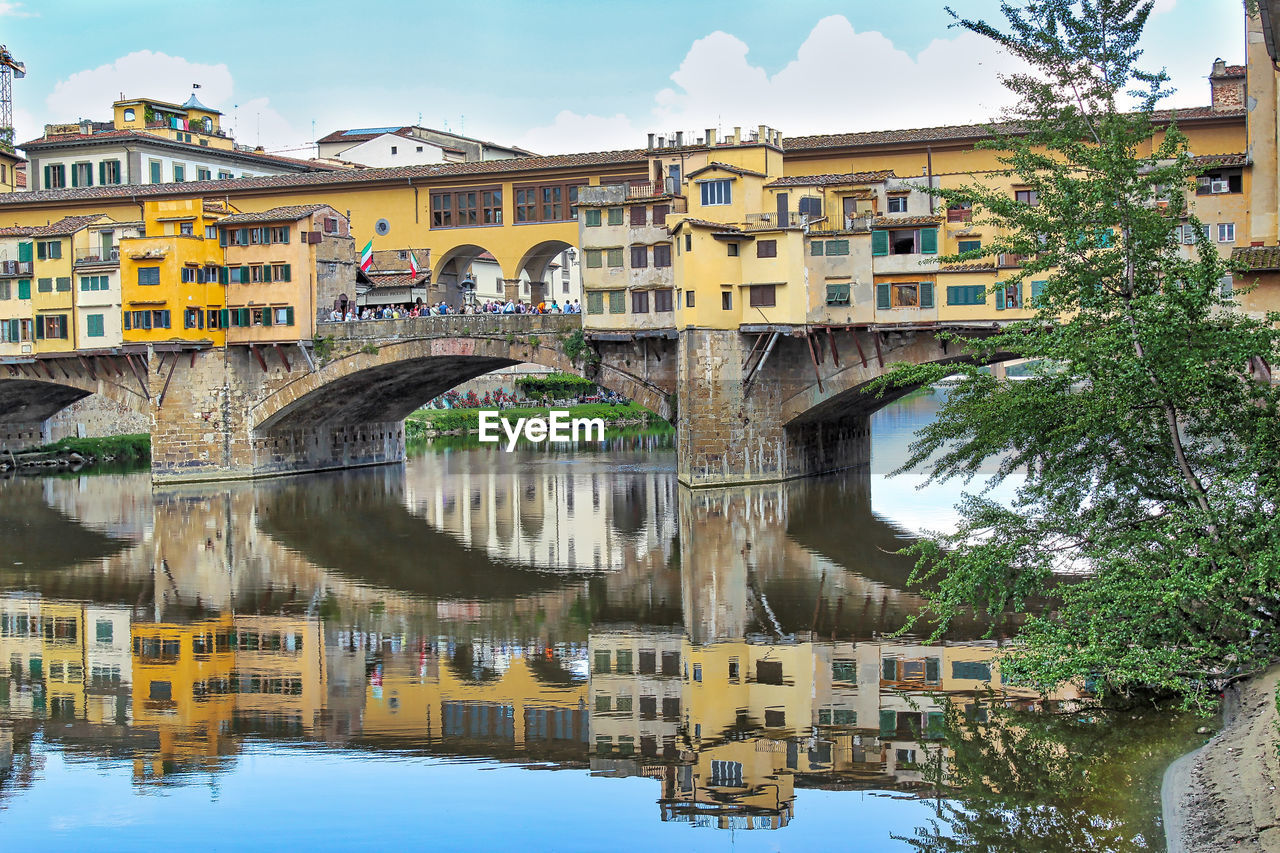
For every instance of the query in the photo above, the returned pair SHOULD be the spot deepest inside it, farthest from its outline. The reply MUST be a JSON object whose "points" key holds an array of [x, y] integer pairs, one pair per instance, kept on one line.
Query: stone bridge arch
{"points": [[33, 392]]}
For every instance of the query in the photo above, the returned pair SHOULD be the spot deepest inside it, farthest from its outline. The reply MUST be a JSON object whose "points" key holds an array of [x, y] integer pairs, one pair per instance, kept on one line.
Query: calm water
{"points": [[558, 650]]}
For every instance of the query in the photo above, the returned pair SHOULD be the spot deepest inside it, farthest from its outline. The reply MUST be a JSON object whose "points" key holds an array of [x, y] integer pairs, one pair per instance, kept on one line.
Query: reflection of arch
{"points": [[384, 386], [536, 259]]}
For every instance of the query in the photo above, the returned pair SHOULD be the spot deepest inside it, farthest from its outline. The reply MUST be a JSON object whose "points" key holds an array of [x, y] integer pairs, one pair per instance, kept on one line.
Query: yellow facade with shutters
{"points": [[172, 273]]}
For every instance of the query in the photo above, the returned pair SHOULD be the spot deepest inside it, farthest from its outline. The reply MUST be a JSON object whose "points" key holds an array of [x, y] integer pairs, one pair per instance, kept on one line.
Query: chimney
{"points": [[711, 136], [737, 135], [1227, 86], [679, 138], [762, 133], [777, 138], [662, 142], [651, 141]]}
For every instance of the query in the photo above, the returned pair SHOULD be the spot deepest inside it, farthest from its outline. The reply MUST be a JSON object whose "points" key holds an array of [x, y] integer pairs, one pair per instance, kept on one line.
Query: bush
{"points": [[119, 447], [559, 385]]}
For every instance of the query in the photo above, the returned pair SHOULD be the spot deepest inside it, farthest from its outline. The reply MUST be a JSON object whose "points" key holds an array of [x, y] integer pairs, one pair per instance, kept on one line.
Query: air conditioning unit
{"points": [[1219, 186]]}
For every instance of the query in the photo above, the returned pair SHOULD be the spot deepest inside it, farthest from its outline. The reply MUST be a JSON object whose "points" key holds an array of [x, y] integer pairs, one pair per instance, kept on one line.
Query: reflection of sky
{"points": [[318, 799], [900, 499]]}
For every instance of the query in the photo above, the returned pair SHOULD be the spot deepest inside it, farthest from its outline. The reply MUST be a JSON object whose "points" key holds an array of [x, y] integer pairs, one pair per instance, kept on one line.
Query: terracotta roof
{"points": [[20, 179], [1231, 71], [291, 213], [396, 279], [89, 138], [973, 266], [15, 231], [1221, 160], [1257, 257], [362, 134], [832, 180], [397, 174], [960, 132], [12, 155], [904, 221], [66, 225], [725, 167], [703, 223]]}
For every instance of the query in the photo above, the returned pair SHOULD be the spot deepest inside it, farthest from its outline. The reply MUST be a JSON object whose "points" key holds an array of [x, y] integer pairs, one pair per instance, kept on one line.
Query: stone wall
{"points": [[96, 417]]}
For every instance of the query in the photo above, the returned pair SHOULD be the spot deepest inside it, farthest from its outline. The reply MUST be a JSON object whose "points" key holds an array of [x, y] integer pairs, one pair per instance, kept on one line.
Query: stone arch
{"points": [[32, 393], [385, 386], [538, 257], [454, 264]]}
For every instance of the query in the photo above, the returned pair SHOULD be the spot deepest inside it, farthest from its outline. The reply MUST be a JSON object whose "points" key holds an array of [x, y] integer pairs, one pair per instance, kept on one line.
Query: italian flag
{"points": [[413, 265], [366, 256]]}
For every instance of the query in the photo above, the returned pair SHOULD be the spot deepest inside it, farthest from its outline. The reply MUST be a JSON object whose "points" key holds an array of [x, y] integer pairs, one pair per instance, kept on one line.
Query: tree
{"points": [[1149, 448]]}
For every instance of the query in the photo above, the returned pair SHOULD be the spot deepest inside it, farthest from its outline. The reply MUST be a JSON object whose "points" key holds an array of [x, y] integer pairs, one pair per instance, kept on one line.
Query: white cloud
{"points": [[840, 80], [16, 10], [89, 94], [1163, 6]]}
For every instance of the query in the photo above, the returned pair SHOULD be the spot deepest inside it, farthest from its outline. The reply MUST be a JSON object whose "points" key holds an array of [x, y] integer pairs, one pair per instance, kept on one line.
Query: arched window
{"points": [[129, 114]]}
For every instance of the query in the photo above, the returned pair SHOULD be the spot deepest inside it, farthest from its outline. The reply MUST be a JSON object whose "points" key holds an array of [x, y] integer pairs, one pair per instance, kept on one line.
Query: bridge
{"points": [[748, 406]]}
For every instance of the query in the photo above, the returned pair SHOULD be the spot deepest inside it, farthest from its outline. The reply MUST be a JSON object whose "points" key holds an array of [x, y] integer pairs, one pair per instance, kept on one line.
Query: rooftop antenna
{"points": [[9, 69]]}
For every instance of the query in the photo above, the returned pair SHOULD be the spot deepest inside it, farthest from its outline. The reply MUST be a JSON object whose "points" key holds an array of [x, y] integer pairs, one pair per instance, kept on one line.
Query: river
{"points": [[556, 649]]}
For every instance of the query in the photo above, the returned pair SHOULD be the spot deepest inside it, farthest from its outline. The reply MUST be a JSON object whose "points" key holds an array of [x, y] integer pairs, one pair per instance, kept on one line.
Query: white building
{"points": [[385, 147]]}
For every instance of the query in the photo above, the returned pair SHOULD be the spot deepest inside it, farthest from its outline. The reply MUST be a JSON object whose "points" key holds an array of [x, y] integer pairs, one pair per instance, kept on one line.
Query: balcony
{"points": [[959, 215], [90, 257], [9, 268], [792, 219], [649, 189]]}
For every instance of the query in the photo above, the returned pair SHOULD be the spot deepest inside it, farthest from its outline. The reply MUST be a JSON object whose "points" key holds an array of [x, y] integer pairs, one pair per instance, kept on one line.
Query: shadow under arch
{"points": [[538, 257]]}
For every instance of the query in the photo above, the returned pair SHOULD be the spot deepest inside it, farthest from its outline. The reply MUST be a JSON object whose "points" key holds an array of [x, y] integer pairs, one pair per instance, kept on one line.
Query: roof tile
{"points": [[832, 180], [1258, 258], [290, 213]]}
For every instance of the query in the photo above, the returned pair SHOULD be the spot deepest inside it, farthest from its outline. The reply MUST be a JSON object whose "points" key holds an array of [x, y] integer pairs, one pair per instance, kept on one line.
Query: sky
{"points": [[552, 77]]}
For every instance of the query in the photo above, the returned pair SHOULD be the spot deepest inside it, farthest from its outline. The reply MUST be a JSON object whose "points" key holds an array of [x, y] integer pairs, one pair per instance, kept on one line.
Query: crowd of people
{"points": [[349, 311]]}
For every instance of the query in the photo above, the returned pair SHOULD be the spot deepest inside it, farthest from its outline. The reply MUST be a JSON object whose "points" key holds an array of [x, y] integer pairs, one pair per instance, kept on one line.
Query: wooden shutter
{"points": [[266, 273], [815, 247], [13, 330], [266, 315], [926, 294], [224, 317], [999, 295], [286, 273], [1037, 288], [288, 316], [24, 251], [39, 328], [882, 296], [879, 243], [244, 275], [222, 275], [928, 241], [888, 723], [128, 321], [24, 288], [102, 172]]}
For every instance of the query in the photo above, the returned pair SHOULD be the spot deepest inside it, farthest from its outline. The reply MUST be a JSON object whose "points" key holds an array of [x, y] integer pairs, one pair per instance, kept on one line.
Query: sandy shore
{"points": [[1224, 796]]}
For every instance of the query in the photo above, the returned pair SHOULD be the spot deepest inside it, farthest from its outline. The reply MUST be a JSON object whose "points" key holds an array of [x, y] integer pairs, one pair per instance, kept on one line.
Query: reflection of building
{"points": [[636, 697]]}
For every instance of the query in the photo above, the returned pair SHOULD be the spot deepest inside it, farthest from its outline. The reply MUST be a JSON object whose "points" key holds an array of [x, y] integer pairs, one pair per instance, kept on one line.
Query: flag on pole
{"points": [[366, 256], [413, 264]]}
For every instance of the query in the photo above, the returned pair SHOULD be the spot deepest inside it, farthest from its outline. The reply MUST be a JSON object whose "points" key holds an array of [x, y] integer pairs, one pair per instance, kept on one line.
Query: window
{"points": [[279, 234], [640, 302], [5, 291], [688, 299], [613, 258], [688, 242], [766, 248], [81, 174], [1220, 181], [966, 294], [639, 257], [48, 250], [331, 225], [910, 294], [595, 259], [24, 288], [155, 176], [595, 302], [615, 216], [109, 172], [393, 149], [215, 318], [662, 255], [465, 206], [189, 274], [148, 275], [224, 176], [179, 172], [969, 245], [1226, 232], [726, 300], [837, 294], [1030, 197], [44, 285], [547, 202], [662, 302], [160, 319], [129, 114], [55, 177], [732, 249], [961, 212], [63, 283], [639, 215], [660, 212], [763, 296], [905, 242], [51, 326], [716, 192], [282, 316], [617, 302], [186, 229], [1008, 296], [897, 204], [836, 247], [419, 149], [93, 326], [978, 670], [203, 174], [89, 283], [591, 217], [193, 318]]}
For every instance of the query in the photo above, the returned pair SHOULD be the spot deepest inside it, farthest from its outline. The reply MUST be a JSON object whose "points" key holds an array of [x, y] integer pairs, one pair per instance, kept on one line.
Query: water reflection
{"points": [[578, 612]]}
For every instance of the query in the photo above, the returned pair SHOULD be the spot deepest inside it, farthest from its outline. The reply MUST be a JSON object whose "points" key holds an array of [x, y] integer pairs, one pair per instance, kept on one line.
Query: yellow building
{"points": [[284, 267], [98, 310], [53, 299], [17, 318], [171, 286], [12, 176]]}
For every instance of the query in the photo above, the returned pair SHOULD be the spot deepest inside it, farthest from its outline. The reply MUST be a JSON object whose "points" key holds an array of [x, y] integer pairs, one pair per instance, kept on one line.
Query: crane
{"points": [[9, 69]]}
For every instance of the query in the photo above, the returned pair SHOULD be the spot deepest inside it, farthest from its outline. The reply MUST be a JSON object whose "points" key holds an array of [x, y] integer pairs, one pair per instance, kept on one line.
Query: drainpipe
{"points": [[928, 153]]}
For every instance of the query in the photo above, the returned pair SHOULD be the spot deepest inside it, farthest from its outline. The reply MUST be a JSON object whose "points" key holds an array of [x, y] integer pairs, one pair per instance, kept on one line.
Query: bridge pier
{"points": [[729, 432]]}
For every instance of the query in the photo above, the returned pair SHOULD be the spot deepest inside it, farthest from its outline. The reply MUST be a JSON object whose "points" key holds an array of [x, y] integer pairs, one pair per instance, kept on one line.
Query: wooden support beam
{"points": [[817, 372], [140, 375], [283, 358], [47, 369], [879, 353], [173, 364], [862, 355], [262, 362], [193, 359], [306, 355], [835, 353], [88, 368]]}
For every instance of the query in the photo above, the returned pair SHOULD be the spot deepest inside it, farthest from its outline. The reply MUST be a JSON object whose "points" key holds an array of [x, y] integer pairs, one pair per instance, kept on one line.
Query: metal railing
{"points": [[15, 268], [791, 219], [98, 256], [648, 189]]}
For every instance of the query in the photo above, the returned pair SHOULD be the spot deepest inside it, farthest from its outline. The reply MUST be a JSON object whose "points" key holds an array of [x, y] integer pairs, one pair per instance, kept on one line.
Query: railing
{"points": [[98, 256], [1007, 260], [959, 214], [15, 268], [792, 219], [648, 189]]}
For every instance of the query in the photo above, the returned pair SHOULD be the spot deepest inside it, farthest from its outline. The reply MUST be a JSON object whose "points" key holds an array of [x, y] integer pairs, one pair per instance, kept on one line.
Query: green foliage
{"points": [[322, 346], [448, 420], [559, 385], [370, 349], [121, 448], [576, 347], [1151, 454], [534, 340]]}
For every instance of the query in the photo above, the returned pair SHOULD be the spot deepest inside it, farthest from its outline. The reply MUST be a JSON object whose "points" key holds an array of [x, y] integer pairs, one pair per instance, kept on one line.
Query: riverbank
{"points": [[76, 453], [462, 421], [1226, 793]]}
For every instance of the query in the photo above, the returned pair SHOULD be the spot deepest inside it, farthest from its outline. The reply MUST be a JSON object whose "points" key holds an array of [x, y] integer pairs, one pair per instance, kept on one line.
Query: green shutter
{"points": [[879, 243], [266, 273], [39, 329], [102, 172], [285, 230], [127, 323], [815, 248], [224, 317], [936, 726], [932, 669], [999, 296], [882, 297], [24, 288], [222, 275], [222, 237], [244, 275], [246, 317], [926, 294], [41, 250], [929, 241], [889, 669], [24, 251], [13, 330], [288, 316], [46, 177], [286, 273], [266, 315], [888, 723], [1037, 288]]}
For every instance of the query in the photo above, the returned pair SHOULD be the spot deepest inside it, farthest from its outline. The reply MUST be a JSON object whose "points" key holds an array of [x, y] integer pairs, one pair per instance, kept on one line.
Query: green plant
{"points": [[322, 346], [534, 340], [558, 385], [370, 349], [577, 348]]}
